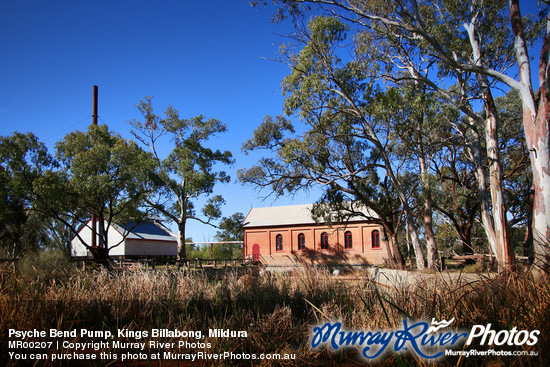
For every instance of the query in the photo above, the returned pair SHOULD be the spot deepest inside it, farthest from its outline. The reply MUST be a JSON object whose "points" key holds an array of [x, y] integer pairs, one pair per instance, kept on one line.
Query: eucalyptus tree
{"points": [[23, 160], [231, 228], [455, 193], [326, 155], [518, 183], [416, 135], [346, 141], [188, 172], [472, 43], [101, 175], [340, 203]]}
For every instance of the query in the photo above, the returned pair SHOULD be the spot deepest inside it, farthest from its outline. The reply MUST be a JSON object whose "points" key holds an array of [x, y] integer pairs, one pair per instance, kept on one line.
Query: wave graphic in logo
{"points": [[439, 325]]}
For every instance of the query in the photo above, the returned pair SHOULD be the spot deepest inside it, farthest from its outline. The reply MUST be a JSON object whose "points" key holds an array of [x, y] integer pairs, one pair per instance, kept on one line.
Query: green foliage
{"points": [[102, 167], [45, 267], [212, 208], [386, 90], [23, 161], [344, 148], [517, 170], [231, 228], [218, 251], [269, 134], [188, 172], [103, 175]]}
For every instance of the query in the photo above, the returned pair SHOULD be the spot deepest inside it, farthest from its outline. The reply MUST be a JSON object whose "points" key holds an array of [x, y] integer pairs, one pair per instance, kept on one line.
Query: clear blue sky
{"points": [[202, 57]]}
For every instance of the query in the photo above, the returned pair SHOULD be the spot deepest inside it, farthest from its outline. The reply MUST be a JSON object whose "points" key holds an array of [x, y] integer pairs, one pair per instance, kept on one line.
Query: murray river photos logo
{"points": [[428, 341]]}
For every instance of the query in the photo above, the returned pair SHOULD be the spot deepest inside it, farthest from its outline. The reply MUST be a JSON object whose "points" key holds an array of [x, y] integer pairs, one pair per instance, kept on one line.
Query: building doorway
{"points": [[256, 252]]}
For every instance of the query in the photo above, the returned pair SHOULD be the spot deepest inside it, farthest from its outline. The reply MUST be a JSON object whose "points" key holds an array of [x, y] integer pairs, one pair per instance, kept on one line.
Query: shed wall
{"points": [[79, 250], [153, 248]]}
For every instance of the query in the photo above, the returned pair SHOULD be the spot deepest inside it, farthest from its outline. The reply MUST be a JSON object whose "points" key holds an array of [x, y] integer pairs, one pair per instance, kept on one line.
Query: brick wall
{"points": [[361, 251]]}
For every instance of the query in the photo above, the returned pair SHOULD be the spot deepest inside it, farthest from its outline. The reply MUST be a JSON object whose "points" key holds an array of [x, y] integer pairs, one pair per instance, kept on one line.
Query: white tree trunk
{"points": [[502, 238], [420, 260], [537, 133], [396, 183], [409, 215], [474, 151], [431, 245], [503, 250]]}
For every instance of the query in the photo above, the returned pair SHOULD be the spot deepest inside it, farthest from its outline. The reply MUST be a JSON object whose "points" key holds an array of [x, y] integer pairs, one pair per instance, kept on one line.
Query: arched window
{"points": [[375, 239], [279, 242], [324, 241], [301, 241], [348, 240]]}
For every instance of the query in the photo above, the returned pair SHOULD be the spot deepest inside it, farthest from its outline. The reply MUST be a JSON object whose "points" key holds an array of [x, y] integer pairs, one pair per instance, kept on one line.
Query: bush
{"points": [[44, 268]]}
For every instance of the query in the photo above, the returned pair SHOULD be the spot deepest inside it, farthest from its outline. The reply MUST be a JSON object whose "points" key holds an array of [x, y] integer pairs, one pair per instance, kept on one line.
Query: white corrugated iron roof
{"points": [[290, 215]]}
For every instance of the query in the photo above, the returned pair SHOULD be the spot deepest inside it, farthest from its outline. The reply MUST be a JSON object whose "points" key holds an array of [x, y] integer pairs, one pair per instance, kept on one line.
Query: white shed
{"points": [[144, 239]]}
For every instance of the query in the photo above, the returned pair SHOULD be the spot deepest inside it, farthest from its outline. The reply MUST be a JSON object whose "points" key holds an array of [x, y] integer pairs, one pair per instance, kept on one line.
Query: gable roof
{"points": [[145, 231], [290, 215]]}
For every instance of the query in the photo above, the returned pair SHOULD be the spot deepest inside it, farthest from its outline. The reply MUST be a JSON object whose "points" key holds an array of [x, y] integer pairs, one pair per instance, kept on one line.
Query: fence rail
{"points": [[119, 263]]}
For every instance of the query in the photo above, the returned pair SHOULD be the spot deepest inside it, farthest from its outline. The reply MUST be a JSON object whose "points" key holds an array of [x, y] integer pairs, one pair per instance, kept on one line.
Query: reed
{"points": [[277, 310]]}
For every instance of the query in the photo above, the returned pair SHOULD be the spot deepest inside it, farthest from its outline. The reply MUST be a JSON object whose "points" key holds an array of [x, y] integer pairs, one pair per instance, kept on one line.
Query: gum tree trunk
{"points": [[394, 254], [501, 237], [428, 217], [182, 251], [537, 132]]}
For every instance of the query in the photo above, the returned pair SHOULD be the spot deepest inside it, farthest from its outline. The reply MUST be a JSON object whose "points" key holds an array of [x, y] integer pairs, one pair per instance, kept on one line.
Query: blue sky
{"points": [[202, 57]]}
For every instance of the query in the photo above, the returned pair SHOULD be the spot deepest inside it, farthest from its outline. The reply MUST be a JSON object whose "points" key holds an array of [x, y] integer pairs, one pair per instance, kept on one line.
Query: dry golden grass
{"points": [[277, 310]]}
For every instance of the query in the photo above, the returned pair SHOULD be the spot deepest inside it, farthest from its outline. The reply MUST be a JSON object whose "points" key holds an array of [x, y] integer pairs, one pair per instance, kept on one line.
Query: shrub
{"points": [[43, 268]]}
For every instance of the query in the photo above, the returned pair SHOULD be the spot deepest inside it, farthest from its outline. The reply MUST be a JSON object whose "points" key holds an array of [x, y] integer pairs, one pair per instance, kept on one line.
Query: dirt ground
{"points": [[399, 278]]}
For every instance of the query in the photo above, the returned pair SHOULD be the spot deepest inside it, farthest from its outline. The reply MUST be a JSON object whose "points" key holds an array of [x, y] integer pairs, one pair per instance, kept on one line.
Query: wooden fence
{"points": [[153, 263]]}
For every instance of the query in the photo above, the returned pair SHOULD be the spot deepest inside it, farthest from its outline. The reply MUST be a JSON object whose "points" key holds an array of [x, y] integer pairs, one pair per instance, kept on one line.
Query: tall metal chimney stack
{"points": [[94, 114], [94, 219]]}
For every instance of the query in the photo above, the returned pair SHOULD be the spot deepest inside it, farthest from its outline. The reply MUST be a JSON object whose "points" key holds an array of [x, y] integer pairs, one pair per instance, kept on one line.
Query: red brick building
{"points": [[286, 235]]}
